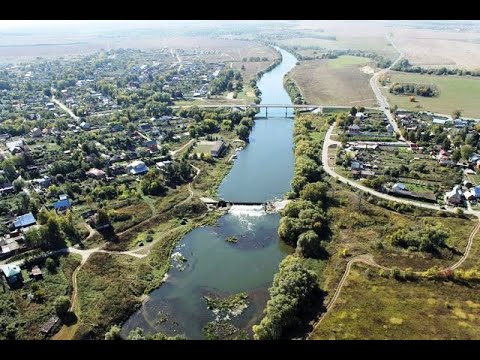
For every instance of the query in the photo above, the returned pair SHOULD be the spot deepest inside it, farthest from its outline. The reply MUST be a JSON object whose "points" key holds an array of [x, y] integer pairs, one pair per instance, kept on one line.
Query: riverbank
{"points": [[205, 261]]}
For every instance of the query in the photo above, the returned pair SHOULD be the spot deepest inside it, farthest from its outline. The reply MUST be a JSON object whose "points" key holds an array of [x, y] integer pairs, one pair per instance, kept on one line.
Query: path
{"points": [[65, 108], [368, 260], [175, 152]]}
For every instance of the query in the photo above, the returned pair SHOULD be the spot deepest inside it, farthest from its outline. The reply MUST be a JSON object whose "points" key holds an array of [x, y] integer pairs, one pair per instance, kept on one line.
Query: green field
{"points": [[346, 60], [455, 93]]}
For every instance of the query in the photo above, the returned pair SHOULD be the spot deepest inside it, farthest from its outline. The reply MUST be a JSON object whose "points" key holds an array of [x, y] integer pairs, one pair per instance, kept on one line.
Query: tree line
{"points": [[405, 66], [304, 225], [427, 90]]}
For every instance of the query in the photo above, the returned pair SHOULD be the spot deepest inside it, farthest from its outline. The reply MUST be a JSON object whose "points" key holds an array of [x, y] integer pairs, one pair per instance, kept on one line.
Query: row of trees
{"points": [[304, 225], [405, 66], [427, 90], [293, 90]]}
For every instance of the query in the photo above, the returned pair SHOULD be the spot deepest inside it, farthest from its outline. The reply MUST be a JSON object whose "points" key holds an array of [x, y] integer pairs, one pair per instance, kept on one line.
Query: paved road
{"points": [[328, 142], [382, 101], [64, 107]]}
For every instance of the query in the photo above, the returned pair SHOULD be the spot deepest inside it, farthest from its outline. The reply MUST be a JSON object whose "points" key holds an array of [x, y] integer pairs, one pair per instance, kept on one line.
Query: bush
{"points": [[51, 265]]}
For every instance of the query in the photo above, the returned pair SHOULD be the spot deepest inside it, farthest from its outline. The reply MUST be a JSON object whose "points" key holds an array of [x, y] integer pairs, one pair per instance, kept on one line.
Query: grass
{"points": [[455, 93], [205, 149], [21, 318], [334, 82], [373, 307], [347, 60]]}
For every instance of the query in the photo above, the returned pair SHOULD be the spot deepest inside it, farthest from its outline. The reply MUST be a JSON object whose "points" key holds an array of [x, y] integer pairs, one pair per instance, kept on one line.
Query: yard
{"points": [[455, 93], [334, 81]]}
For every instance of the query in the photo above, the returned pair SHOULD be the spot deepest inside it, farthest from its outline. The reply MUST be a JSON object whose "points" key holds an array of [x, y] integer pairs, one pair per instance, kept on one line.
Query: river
{"points": [[262, 172]]}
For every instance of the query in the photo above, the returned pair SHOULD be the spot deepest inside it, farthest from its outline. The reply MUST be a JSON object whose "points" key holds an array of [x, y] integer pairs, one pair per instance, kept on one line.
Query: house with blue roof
{"points": [[24, 220], [137, 167], [12, 273], [62, 205]]}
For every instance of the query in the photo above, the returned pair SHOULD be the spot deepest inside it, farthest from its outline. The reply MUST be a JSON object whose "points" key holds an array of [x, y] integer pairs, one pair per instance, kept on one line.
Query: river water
{"points": [[262, 172]]}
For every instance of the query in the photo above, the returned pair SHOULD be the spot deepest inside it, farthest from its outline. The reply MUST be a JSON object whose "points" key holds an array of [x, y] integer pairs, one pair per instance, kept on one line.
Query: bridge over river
{"points": [[304, 107]]}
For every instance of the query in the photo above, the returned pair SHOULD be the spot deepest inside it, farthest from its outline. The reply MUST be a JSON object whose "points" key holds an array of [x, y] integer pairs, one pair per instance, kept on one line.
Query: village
{"points": [[437, 163]]}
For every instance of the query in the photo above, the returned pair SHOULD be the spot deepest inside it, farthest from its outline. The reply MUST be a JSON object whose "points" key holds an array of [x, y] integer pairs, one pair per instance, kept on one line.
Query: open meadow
{"points": [[335, 81], [456, 92]]}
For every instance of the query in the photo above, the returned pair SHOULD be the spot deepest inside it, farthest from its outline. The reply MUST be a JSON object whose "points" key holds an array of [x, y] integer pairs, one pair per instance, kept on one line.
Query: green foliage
{"points": [[427, 90], [62, 305], [113, 333], [308, 244], [427, 239], [291, 293], [152, 184]]}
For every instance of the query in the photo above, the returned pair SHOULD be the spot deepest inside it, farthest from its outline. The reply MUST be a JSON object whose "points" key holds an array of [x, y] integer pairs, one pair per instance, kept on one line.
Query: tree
{"points": [[243, 132], [456, 114], [353, 111], [62, 305], [466, 151], [102, 217], [51, 265], [136, 334], [291, 292], [308, 244], [113, 333], [314, 192], [19, 184]]}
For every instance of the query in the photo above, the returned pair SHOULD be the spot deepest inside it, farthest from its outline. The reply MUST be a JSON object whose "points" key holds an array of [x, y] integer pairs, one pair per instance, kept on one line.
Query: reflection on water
{"points": [[262, 172]]}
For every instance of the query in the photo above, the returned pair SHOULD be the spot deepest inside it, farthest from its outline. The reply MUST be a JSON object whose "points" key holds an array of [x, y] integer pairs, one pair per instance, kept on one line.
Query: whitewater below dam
{"points": [[204, 263]]}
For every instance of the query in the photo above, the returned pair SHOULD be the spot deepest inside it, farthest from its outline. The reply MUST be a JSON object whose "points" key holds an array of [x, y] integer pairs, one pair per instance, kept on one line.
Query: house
{"points": [[161, 165], [137, 167], [150, 145], [439, 121], [217, 148], [12, 273], [16, 146], [360, 115], [455, 197], [11, 244], [43, 182], [96, 173], [356, 165], [24, 220], [353, 129], [145, 127], [50, 106], [85, 126], [389, 128], [36, 132], [62, 205], [399, 187]]}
